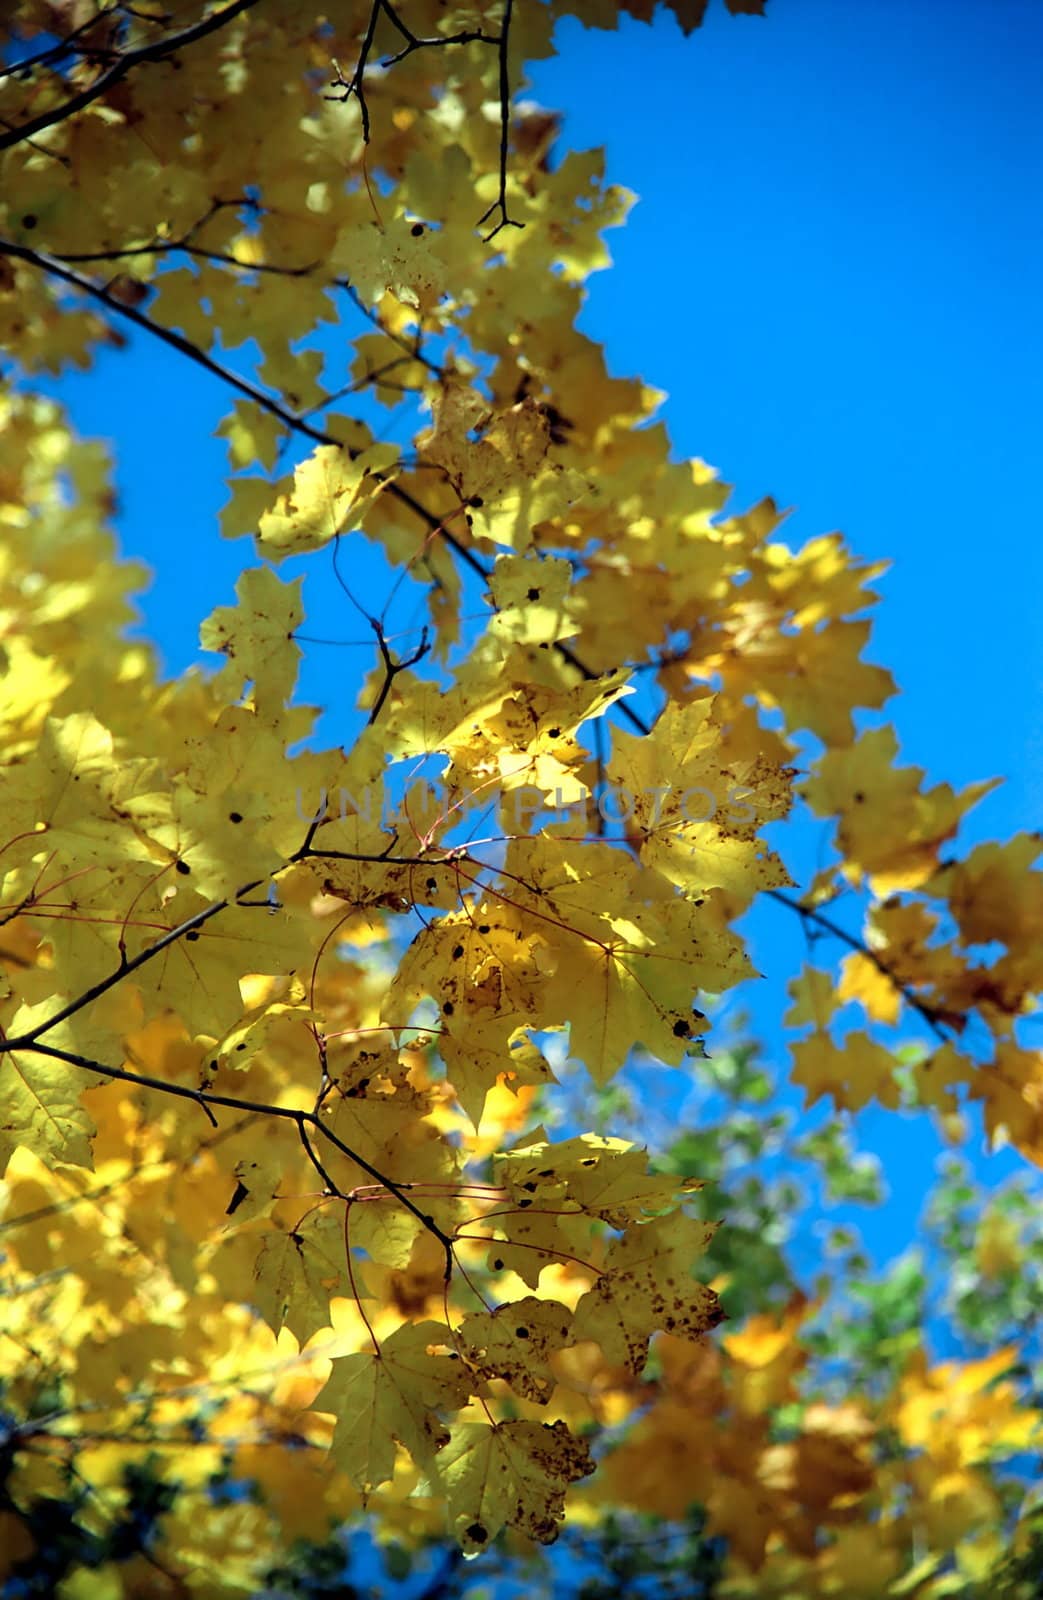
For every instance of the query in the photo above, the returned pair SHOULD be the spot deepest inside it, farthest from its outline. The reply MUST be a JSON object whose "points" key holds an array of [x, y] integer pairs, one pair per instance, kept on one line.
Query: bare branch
{"points": [[355, 84], [158, 50], [500, 203], [309, 1150], [465, 36], [206, 1099], [176, 341], [392, 668], [937, 1020]]}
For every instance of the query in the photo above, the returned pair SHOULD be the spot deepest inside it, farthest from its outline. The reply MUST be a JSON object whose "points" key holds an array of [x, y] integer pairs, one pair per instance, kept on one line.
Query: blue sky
{"points": [[833, 270]]}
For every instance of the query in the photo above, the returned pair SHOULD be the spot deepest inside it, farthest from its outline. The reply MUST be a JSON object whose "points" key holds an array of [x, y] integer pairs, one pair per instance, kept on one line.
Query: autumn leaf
{"points": [[393, 1394], [329, 489], [646, 1284], [42, 1108], [854, 1072], [515, 1343], [362, 1125], [512, 1474]]}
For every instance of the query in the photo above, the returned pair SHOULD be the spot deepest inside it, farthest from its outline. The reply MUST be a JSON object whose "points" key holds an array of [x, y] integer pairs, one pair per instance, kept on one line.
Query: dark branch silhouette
{"points": [[206, 1099], [500, 203], [157, 50], [345, 87]]}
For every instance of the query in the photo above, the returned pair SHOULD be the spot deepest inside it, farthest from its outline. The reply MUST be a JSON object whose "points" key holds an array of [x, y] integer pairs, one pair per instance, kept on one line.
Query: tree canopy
{"points": [[331, 1190]]}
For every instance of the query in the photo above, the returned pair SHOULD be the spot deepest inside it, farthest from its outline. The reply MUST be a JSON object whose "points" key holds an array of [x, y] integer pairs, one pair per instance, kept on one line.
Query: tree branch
{"points": [[500, 203], [191, 924], [355, 85], [54, 53], [435, 525], [392, 668], [167, 247], [158, 50], [206, 1099], [937, 1021], [124, 970], [177, 341]]}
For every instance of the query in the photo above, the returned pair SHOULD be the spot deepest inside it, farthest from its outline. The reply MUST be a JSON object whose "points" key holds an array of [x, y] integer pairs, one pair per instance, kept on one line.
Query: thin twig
{"points": [[464, 36], [124, 969], [938, 1021], [289, 419], [500, 203], [176, 341], [411, 347], [54, 52], [309, 1150], [355, 85], [167, 247], [392, 668]]}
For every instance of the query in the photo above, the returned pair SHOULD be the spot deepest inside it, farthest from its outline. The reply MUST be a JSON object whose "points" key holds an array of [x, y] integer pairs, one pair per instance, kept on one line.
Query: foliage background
{"points": [[831, 272], [831, 275]]}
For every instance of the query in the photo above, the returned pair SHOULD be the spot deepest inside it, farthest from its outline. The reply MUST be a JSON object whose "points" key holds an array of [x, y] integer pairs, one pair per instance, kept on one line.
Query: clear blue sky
{"points": [[834, 271]]}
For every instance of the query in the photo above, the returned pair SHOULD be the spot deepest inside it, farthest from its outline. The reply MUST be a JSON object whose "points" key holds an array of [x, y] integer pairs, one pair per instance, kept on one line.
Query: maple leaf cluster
{"points": [[279, 1207]]}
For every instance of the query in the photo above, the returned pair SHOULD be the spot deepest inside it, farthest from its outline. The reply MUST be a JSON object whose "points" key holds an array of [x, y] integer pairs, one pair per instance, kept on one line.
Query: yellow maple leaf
{"points": [[1011, 1088], [646, 1283], [257, 637], [607, 1178], [330, 492], [861, 979], [814, 996], [853, 1072], [887, 829], [512, 1474], [393, 1394], [41, 1104], [515, 1342], [530, 594]]}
